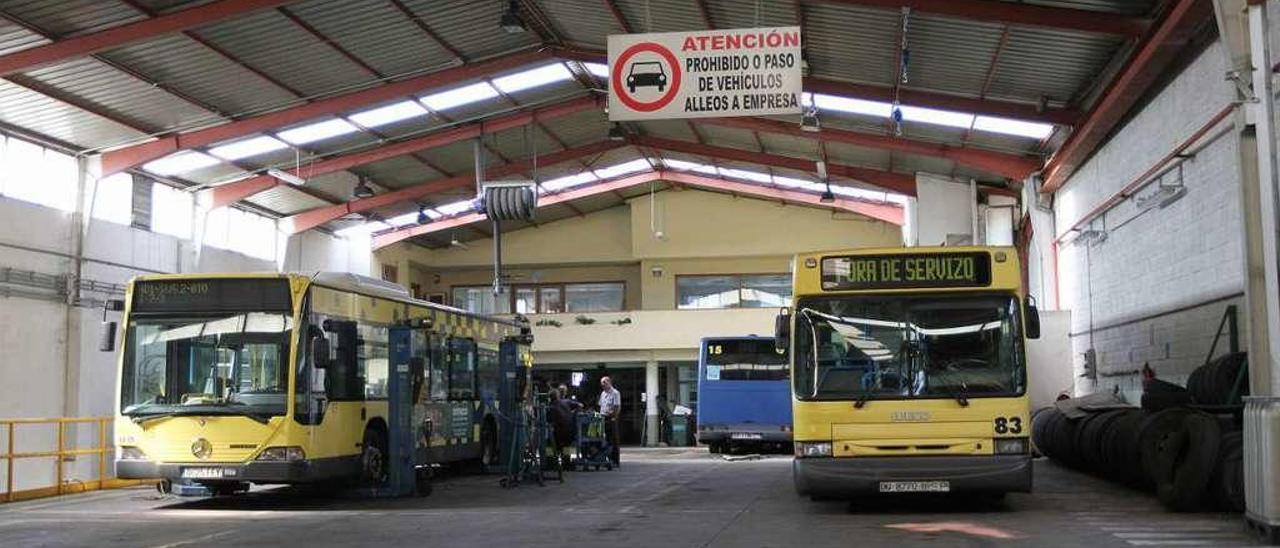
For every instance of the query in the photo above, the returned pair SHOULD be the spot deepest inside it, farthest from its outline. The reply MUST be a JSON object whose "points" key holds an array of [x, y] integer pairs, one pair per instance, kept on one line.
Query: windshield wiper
{"points": [[962, 397], [141, 419]]}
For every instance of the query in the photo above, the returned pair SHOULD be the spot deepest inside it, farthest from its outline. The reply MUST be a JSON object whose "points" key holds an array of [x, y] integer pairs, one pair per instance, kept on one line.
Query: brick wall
{"points": [[1154, 289]]}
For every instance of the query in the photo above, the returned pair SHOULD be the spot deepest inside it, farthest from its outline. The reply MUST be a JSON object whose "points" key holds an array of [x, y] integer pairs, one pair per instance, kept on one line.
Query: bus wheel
{"points": [[373, 458]]}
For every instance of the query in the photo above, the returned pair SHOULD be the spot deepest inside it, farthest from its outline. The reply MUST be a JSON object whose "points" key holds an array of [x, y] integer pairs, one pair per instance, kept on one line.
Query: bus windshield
{"points": [[744, 360], [902, 347], [229, 364]]}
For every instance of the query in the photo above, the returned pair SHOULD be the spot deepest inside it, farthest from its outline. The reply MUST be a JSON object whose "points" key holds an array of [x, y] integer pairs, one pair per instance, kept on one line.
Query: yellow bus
{"points": [[282, 378], [909, 371]]}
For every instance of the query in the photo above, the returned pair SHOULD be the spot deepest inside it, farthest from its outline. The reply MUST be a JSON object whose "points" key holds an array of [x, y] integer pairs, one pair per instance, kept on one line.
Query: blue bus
{"points": [[744, 394]]}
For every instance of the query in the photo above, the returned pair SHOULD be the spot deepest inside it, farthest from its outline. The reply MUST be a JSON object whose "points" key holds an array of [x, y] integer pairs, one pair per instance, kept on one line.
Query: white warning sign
{"points": [[704, 74]]}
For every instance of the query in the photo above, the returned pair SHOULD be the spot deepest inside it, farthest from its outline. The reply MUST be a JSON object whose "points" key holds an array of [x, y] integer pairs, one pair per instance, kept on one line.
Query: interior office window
{"points": [[480, 300], [113, 199], [550, 300], [526, 300], [766, 291], [390, 273], [35, 174], [707, 291], [594, 297], [733, 291], [171, 211]]}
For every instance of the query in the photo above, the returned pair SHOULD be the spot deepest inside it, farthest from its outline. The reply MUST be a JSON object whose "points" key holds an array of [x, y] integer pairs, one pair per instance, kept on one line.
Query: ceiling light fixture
{"points": [[287, 177], [362, 189], [511, 21], [423, 218], [827, 195], [809, 120]]}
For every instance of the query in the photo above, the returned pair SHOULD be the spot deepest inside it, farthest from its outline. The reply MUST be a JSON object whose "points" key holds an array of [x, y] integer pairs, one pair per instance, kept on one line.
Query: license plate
{"points": [[915, 486], [202, 473], [746, 436]]}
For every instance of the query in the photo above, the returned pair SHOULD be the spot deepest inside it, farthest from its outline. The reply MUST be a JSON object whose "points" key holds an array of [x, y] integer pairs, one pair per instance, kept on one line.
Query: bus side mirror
{"points": [[107, 333], [107, 337], [320, 352], [1032, 315], [782, 330]]}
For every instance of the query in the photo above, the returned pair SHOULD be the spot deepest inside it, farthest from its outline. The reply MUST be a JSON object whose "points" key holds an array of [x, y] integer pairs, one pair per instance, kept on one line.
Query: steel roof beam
{"points": [[118, 160], [309, 219], [1007, 109], [1003, 164], [1148, 63], [129, 33], [1015, 14], [890, 213], [896, 182], [235, 191]]}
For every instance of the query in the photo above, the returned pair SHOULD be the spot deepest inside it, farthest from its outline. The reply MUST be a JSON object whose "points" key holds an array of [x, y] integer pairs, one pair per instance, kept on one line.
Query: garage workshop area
{"points": [[747, 273]]}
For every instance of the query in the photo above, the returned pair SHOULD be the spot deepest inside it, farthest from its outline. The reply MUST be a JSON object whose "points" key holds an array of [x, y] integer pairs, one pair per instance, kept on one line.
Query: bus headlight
{"points": [[282, 454], [1012, 446], [132, 453], [811, 449]]}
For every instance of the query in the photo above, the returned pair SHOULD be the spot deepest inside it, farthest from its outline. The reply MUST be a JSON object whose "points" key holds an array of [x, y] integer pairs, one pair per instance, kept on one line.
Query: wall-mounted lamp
{"points": [[656, 271]]}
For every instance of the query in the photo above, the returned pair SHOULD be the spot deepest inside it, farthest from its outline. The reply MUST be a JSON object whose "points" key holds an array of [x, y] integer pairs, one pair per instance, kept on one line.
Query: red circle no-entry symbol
{"points": [[625, 92]]}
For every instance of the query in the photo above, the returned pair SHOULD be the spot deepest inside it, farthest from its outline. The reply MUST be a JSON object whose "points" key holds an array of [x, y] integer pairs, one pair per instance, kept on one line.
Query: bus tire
{"points": [[373, 457]]}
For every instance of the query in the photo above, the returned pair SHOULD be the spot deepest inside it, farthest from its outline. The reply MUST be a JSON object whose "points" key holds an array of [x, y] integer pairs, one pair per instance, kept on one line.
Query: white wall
{"points": [[942, 207], [1152, 292]]}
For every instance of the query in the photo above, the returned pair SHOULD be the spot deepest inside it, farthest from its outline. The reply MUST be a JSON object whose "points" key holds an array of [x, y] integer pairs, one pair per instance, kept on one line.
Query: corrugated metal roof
{"points": [[180, 63], [471, 26], [286, 200], [950, 55], [164, 6], [789, 145], [841, 153], [1054, 64], [71, 17], [661, 15], [270, 42], [734, 14], [1123, 7], [27, 109], [852, 43], [668, 129], [582, 21], [728, 136], [376, 32], [15, 38], [580, 128]]}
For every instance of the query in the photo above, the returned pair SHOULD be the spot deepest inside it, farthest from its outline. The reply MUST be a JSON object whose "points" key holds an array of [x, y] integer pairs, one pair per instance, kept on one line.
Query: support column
{"points": [[673, 385], [651, 403], [1242, 25]]}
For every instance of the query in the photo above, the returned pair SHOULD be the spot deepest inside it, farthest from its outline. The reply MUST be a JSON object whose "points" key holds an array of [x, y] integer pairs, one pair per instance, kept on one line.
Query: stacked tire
{"points": [[1219, 382], [1181, 454]]}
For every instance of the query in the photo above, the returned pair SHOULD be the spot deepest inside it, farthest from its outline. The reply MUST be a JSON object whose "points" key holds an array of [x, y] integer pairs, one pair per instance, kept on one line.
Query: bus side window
{"points": [[438, 377], [487, 374], [343, 376], [462, 369]]}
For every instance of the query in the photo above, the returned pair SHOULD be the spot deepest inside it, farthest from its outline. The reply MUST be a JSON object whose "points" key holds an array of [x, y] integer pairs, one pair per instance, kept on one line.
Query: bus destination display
{"points": [[906, 271], [220, 295]]}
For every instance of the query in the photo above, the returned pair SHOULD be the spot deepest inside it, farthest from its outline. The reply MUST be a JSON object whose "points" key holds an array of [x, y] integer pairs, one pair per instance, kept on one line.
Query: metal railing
{"points": [[62, 453]]}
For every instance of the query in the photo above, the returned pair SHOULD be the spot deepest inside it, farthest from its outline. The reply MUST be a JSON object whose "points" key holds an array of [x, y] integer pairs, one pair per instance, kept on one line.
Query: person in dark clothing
{"points": [[563, 413]]}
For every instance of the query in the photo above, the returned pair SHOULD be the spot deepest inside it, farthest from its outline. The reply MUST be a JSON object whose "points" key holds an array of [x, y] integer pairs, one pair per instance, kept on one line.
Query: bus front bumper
{"points": [[256, 472], [839, 477]]}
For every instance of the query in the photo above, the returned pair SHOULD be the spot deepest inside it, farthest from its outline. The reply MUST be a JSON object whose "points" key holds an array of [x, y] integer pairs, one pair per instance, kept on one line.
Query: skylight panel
{"points": [[464, 206], [318, 131], [600, 70], [402, 220], [388, 114], [1013, 127], [248, 147], [791, 181], [533, 78], [181, 162], [623, 168], [938, 117], [691, 166], [460, 96], [561, 183], [748, 175], [853, 106], [361, 230]]}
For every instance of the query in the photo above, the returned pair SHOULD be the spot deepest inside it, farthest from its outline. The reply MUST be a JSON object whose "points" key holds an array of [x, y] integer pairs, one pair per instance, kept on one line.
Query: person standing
{"points": [[611, 407]]}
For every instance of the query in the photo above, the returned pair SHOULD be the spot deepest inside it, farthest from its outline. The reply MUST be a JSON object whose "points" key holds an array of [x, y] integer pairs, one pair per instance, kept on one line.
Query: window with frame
{"points": [[543, 298], [733, 291], [480, 300]]}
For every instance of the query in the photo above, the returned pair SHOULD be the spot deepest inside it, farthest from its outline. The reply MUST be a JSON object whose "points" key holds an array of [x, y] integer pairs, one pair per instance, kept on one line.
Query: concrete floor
{"points": [[660, 498]]}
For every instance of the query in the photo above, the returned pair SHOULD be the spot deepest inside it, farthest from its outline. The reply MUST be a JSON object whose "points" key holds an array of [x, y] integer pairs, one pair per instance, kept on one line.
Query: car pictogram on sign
{"points": [[646, 74]]}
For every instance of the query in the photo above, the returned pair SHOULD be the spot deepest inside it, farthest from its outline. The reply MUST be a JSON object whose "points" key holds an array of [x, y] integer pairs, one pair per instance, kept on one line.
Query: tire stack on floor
{"points": [[1191, 459]]}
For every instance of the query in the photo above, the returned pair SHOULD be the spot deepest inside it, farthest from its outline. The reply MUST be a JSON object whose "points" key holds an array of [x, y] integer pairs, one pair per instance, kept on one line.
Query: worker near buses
{"points": [[611, 407]]}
